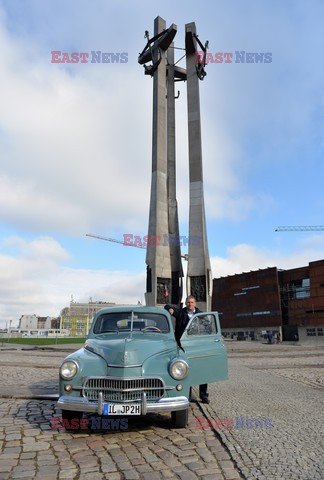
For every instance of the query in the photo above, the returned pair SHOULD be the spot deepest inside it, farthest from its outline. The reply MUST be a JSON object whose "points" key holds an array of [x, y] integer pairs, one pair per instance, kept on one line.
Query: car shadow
{"points": [[40, 411]]}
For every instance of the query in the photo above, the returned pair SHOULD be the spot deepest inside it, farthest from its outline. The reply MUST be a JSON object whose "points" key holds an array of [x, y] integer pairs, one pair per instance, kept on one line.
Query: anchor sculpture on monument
{"points": [[164, 277]]}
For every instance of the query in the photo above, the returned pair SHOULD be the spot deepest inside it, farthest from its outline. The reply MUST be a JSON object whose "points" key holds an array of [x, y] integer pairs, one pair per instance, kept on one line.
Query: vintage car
{"points": [[132, 365]]}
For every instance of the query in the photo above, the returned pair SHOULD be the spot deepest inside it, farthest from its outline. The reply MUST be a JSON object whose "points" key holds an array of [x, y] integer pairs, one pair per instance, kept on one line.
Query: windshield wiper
{"points": [[108, 331]]}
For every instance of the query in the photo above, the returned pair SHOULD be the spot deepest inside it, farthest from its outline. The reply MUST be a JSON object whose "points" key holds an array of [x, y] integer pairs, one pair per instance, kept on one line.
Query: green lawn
{"points": [[44, 341]]}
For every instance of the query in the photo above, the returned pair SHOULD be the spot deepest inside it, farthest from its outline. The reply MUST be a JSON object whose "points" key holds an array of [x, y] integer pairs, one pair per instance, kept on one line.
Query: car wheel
{"points": [[179, 419], [71, 420]]}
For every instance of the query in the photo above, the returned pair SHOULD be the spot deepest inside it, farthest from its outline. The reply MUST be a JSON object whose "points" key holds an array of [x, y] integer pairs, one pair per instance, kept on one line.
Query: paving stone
{"points": [[115, 476], [217, 476], [187, 475], [8, 462], [68, 473], [167, 474], [145, 468], [108, 468], [36, 446], [23, 474], [131, 475], [151, 476], [92, 476]]}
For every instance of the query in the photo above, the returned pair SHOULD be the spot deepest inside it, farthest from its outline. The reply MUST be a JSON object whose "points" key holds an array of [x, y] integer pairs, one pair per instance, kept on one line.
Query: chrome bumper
{"points": [[81, 404]]}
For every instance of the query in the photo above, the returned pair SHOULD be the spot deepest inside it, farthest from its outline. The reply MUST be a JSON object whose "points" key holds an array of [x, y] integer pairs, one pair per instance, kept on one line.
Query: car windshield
{"points": [[129, 321]]}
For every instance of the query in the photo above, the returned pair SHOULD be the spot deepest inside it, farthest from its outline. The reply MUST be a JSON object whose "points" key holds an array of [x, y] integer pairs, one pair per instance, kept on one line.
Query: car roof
{"points": [[133, 308]]}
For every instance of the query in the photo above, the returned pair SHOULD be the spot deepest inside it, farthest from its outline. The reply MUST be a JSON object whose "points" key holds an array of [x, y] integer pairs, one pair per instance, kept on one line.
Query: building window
{"points": [[311, 332], [320, 332], [297, 289]]}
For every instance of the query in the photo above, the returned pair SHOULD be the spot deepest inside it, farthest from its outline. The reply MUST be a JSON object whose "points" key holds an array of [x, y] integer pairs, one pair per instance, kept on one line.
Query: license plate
{"points": [[121, 409]]}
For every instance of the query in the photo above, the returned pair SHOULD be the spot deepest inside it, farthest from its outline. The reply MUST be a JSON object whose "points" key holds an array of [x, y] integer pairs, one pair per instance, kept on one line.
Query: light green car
{"points": [[132, 365]]}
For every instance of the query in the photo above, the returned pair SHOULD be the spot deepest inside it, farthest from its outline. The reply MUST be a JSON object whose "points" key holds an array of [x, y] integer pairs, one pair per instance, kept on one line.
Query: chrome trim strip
{"points": [[80, 404], [144, 404], [111, 365], [205, 356], [79, 389], [107, 377], [100, 403], [168, 404]]}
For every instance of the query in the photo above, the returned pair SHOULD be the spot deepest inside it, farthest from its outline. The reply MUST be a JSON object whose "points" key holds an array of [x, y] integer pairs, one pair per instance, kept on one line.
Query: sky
{"points": [[75, 144]]}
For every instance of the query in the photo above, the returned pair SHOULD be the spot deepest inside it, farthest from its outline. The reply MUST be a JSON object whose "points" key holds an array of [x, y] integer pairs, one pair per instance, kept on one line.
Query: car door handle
{"points": [[216, 339]]}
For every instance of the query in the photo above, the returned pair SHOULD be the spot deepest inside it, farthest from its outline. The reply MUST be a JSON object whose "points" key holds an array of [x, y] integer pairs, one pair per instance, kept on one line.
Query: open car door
{"points": [[205, 349]]}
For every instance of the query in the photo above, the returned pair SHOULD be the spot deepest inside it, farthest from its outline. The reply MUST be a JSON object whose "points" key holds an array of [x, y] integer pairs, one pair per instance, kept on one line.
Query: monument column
{"points": [[158, 279], [175, 248], [199, 279]]}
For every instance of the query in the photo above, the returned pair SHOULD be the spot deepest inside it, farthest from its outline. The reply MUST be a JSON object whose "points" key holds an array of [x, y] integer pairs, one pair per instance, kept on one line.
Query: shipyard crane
{"points": [[113, 240], [301, 228], [107, 239]]}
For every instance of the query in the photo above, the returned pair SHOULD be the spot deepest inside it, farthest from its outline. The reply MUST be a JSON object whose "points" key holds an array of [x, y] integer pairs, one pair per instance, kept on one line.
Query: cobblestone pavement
{"points": [[292, 398], [149, 449], [264, 384]]}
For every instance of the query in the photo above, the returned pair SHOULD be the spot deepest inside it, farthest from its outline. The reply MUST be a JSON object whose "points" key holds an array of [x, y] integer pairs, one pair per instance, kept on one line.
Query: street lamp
{"points": [[9, 331], [88, 318]]}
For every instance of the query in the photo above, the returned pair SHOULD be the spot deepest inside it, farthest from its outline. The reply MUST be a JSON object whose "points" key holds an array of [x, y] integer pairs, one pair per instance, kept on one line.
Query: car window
{"points": [[122, 322], [203, 325]]}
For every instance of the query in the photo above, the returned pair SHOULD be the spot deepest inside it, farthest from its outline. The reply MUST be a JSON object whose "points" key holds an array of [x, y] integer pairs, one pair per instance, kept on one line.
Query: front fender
{"points": [[90, 364], [158, 366]]}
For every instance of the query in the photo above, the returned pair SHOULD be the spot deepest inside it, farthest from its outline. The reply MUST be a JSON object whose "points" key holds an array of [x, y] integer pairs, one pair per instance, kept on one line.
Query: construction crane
{"points": [[113, 240], [302, 228], [107, 239]]}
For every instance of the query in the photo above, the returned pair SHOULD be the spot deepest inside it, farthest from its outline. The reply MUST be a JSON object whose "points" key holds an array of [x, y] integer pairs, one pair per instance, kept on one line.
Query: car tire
{"points": [[68, 416], [179, 419]]}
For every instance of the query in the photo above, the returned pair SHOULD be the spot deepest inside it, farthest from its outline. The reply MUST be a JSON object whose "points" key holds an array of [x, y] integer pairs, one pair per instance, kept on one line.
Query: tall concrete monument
{"points": [[199, 278], [164, 268]]}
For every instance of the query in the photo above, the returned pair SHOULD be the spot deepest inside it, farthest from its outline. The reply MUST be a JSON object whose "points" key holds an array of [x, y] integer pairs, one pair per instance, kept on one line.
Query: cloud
{"points": [[73, 153], [76, 141], [246, 257], [36, 276], [36, 279]]}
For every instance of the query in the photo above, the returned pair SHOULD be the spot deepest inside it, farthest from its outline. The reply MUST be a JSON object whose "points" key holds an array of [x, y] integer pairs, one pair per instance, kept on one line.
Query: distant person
{"points": [[183, 316]]}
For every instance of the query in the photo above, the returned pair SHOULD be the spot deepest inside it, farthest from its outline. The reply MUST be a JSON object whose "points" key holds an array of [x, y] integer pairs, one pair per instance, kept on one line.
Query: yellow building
{"points": [[76, 318]]}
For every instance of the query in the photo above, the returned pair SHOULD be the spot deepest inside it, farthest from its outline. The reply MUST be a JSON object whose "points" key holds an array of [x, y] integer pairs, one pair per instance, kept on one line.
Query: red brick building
{"points": [[285, 302]]}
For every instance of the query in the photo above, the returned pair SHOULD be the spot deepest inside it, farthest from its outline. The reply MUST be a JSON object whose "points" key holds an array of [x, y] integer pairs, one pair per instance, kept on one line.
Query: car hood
{"points": [[127, 352]]}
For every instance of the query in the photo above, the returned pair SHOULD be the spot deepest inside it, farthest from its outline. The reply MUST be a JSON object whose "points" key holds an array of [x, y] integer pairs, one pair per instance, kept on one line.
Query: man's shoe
{"points": [[204, 400]]}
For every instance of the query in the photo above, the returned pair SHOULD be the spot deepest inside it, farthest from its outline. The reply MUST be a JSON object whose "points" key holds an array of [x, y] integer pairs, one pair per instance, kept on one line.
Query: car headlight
{"points": [[178, 369], [69, 369]]}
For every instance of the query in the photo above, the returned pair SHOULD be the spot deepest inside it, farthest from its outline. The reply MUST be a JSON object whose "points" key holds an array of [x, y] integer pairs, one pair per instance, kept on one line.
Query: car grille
{"points": [[123, 390]]}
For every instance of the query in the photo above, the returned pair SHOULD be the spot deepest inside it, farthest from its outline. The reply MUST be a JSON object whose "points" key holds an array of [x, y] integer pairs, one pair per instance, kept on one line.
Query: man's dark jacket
{"points": [[182, 320]]}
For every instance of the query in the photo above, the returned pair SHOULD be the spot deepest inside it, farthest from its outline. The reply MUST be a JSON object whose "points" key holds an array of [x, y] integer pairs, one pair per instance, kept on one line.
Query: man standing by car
{"points": [[183, 316]]}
